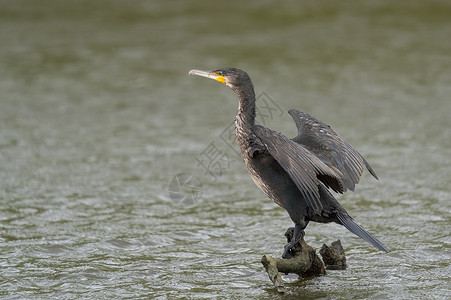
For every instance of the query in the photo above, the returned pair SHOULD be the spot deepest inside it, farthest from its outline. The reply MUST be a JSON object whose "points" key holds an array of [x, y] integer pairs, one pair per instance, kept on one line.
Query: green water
{"points": [[98, 117]]}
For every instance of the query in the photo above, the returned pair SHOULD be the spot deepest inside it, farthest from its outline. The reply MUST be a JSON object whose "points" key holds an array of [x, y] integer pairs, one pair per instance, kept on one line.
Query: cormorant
{"points": [[296, 173]]}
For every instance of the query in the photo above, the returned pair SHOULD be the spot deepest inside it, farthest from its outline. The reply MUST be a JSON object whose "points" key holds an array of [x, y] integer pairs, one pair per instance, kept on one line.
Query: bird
{"points": [[296, 173]]}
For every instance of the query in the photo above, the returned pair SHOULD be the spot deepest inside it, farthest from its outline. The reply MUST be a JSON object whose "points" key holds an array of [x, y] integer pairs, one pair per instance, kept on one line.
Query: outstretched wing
{"points": [[304, 168], [330, 148]]}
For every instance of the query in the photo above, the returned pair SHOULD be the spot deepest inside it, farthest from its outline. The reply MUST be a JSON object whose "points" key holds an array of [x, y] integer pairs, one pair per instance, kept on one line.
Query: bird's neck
{"points": [[245, 116], [245, 119]]}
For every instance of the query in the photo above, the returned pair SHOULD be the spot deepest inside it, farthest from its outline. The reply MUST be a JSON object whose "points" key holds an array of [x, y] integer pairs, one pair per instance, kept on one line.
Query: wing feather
{"points": [[330, 148], [303, 167]]}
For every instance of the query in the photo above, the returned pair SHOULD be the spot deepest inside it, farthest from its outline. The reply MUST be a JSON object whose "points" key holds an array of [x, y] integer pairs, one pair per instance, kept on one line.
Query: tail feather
{"points": [[355, 228]]}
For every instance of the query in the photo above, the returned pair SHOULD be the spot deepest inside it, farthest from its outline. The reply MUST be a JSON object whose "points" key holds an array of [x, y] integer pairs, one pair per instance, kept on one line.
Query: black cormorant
{"points": [[296, 173]]}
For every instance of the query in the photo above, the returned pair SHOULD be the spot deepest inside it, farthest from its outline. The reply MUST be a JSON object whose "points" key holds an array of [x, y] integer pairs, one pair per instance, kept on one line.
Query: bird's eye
{"points": [[219, 73]]}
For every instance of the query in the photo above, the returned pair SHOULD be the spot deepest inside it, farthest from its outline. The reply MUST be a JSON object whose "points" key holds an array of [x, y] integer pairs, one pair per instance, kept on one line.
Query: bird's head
{"points": [[232, 77]]}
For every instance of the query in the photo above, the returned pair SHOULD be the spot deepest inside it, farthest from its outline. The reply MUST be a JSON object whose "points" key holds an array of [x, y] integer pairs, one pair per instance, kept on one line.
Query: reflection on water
{"points": [[98, 115]]}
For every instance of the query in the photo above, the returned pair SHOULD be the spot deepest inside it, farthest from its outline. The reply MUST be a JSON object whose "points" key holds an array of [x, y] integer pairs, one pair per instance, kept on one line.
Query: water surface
{"points": [[98, 116]]}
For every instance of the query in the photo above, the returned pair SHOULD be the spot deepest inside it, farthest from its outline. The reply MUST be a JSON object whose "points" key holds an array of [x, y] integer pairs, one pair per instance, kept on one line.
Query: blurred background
{"points": [[119, 177]]}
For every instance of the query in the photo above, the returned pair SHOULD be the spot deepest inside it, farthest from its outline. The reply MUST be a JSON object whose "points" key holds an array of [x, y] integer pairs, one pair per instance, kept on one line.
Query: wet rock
{"points": [[333, 256]]}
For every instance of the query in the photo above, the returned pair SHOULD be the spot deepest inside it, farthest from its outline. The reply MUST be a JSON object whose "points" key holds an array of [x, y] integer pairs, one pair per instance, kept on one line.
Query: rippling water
{"points": [[98, 116]]}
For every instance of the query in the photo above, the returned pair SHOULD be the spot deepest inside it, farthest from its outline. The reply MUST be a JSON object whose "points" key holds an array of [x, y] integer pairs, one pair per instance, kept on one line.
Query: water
{"points": [[98, 115]]}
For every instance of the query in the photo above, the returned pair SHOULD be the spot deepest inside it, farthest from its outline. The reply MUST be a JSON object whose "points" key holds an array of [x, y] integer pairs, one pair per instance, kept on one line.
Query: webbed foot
{"points": [[293, 237]]}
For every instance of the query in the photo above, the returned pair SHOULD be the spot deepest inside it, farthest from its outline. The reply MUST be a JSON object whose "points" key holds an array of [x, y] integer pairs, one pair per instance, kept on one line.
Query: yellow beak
{"points": [[208, 74]]}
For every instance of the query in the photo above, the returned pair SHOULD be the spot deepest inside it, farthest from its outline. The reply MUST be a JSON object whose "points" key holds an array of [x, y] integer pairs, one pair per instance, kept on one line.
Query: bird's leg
{"points": [[297, 232]]}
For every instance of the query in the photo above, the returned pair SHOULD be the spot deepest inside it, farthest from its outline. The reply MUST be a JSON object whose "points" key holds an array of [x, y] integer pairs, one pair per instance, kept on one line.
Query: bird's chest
{"points": [[269, 176], [265, 171]]}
